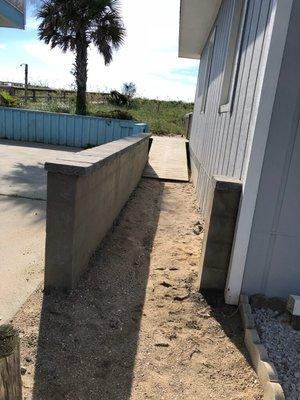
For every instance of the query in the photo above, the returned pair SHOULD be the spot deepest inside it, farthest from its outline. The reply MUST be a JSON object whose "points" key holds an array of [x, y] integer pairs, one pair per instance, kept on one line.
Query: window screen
{"points": [[205, 71], [233, 54]]}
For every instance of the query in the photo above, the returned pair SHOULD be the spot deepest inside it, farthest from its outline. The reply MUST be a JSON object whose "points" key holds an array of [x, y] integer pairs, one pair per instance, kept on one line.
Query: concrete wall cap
{"points": [[227, 183], [87, 161]]}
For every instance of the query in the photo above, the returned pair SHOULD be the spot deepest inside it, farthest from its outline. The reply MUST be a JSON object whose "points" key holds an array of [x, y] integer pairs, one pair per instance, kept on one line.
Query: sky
{"points": [[149, 57]]}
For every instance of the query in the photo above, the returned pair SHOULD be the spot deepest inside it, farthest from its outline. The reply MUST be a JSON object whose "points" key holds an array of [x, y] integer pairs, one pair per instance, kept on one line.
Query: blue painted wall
{"points": [[12, 14], [64, 129]]}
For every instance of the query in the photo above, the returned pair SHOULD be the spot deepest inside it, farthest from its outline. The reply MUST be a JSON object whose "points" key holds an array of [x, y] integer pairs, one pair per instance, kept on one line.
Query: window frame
{"points": [[233, 55], [208, 67]]}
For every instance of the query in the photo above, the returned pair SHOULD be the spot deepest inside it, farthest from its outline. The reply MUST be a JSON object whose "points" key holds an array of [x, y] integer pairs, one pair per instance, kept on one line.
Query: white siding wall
{"points": [[273, 259], [220, 143]]}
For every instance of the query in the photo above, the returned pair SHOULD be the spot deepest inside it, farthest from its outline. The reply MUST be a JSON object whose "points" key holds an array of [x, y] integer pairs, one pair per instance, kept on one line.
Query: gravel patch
{"points": [[283, 346]]}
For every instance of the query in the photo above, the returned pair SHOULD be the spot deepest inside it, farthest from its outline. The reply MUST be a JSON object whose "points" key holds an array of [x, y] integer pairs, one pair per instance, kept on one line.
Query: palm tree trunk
{"points": [[81, 62]]}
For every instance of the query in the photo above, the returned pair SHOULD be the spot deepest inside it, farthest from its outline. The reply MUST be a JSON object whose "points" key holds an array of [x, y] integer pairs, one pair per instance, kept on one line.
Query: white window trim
{"points": [[211, 44], [233, 56]]}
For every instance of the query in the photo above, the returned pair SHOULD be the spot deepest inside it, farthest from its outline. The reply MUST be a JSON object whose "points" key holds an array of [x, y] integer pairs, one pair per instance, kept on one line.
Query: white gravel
{"points": [[283, 346]]}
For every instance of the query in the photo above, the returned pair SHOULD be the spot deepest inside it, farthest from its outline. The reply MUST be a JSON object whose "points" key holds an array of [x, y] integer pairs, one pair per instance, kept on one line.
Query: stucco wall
{"points": [[220, 143], [273, 265], [85, 195]]}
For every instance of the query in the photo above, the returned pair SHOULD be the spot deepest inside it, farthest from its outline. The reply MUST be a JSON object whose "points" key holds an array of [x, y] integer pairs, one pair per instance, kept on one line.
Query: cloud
{"points": [[2, 46], [32, 24], [149, 57]]}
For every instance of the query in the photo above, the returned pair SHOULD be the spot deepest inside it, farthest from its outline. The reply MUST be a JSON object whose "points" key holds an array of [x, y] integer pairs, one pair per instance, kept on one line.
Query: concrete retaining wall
{"points": [[64, 129], [86, 193], [220, 220]]}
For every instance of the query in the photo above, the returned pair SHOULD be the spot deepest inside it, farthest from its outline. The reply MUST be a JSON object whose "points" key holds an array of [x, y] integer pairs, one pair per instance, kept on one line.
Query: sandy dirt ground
{"points": [[136, 328]]}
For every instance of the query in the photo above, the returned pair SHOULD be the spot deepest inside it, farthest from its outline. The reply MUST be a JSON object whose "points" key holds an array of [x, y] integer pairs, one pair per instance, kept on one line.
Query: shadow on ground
{"points": [[26, 180], [29, 181], [25, 189], [88, 339], [229, 319]]}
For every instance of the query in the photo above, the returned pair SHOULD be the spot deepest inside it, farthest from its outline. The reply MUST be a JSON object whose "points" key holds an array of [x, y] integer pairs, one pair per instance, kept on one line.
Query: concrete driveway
{"points": [[23, 194]]}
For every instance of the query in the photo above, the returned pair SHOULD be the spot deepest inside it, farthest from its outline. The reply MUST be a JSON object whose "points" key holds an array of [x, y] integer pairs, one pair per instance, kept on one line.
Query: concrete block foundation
{"points": [[86, 193], [220, 220]]}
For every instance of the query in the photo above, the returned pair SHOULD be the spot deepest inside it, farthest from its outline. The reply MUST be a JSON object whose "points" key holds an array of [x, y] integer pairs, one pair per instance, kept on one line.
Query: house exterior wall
{"points": [[220, 143], [272, 265], [12, 13]]}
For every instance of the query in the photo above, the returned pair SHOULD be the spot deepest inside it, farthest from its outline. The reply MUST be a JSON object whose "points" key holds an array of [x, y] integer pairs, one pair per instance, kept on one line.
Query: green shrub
{"points": [[113, 114], [61, 108], [7, 100], [118, 99], [163, 117], [129, 89]]}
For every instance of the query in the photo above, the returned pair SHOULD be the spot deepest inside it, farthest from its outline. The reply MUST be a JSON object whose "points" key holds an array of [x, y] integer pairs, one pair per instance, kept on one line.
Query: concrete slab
{"points": [[23, 193], [22, 167], [168, 159]]}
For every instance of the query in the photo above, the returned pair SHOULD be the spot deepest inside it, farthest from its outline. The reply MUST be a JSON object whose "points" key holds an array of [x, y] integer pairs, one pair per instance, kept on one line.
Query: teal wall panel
{"points": [[64, 129]]}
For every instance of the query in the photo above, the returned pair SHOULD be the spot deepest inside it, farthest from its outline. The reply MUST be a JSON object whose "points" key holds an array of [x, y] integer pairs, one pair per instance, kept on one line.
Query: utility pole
{"points": [[26, 81]]}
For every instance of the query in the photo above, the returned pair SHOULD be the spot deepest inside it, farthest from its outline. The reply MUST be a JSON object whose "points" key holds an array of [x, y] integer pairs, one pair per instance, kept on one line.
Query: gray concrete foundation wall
{"points": [[220, 220], [85, 195]]}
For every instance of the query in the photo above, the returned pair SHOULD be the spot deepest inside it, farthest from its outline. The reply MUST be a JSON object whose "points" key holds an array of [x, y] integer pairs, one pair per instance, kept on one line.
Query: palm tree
{"points": [[75, 25]]}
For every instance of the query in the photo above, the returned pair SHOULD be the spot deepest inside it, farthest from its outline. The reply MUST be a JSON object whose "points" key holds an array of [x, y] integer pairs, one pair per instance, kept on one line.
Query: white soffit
{"points": [[196, 20]]}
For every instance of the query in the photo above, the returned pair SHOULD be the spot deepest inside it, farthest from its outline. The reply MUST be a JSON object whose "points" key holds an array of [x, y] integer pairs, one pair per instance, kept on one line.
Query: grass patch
{"points": [[163, 117]]}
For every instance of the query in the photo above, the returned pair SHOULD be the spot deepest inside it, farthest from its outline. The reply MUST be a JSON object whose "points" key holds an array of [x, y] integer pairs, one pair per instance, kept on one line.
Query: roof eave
{"points": [[10, 16], [197, 18]]}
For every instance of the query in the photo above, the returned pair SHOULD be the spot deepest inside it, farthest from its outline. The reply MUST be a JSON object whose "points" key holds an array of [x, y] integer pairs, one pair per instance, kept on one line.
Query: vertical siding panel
{"points": [[223, 45], [93, 133], [39, 128], [70, 132], [100, 130], [113, 131], [219, 142], [9, 125], [238, 106], [24, 126], [217, 164], [244, 87], [63, 129], [108, 130], [47, 128], [1, 123], [85, 134], [224, 155], [251, 88], [62, 138], [31, 127], [54, 129], [17, 125], [78, 131]]}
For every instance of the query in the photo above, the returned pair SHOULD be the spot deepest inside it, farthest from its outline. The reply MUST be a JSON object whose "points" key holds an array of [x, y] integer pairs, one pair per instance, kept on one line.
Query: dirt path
{"points": [[136, 328]]}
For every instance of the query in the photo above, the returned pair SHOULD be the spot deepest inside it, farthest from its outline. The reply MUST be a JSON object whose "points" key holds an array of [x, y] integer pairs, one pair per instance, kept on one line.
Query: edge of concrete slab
{"points": [[263, 367]]}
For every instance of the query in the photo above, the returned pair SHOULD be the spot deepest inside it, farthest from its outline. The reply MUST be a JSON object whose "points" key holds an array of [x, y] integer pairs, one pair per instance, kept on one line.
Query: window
{"points": [[233, 54], [205, 70]]}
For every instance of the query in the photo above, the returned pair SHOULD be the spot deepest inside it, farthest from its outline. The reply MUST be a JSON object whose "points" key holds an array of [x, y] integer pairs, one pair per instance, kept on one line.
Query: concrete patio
{"points": [[23, 193]]}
